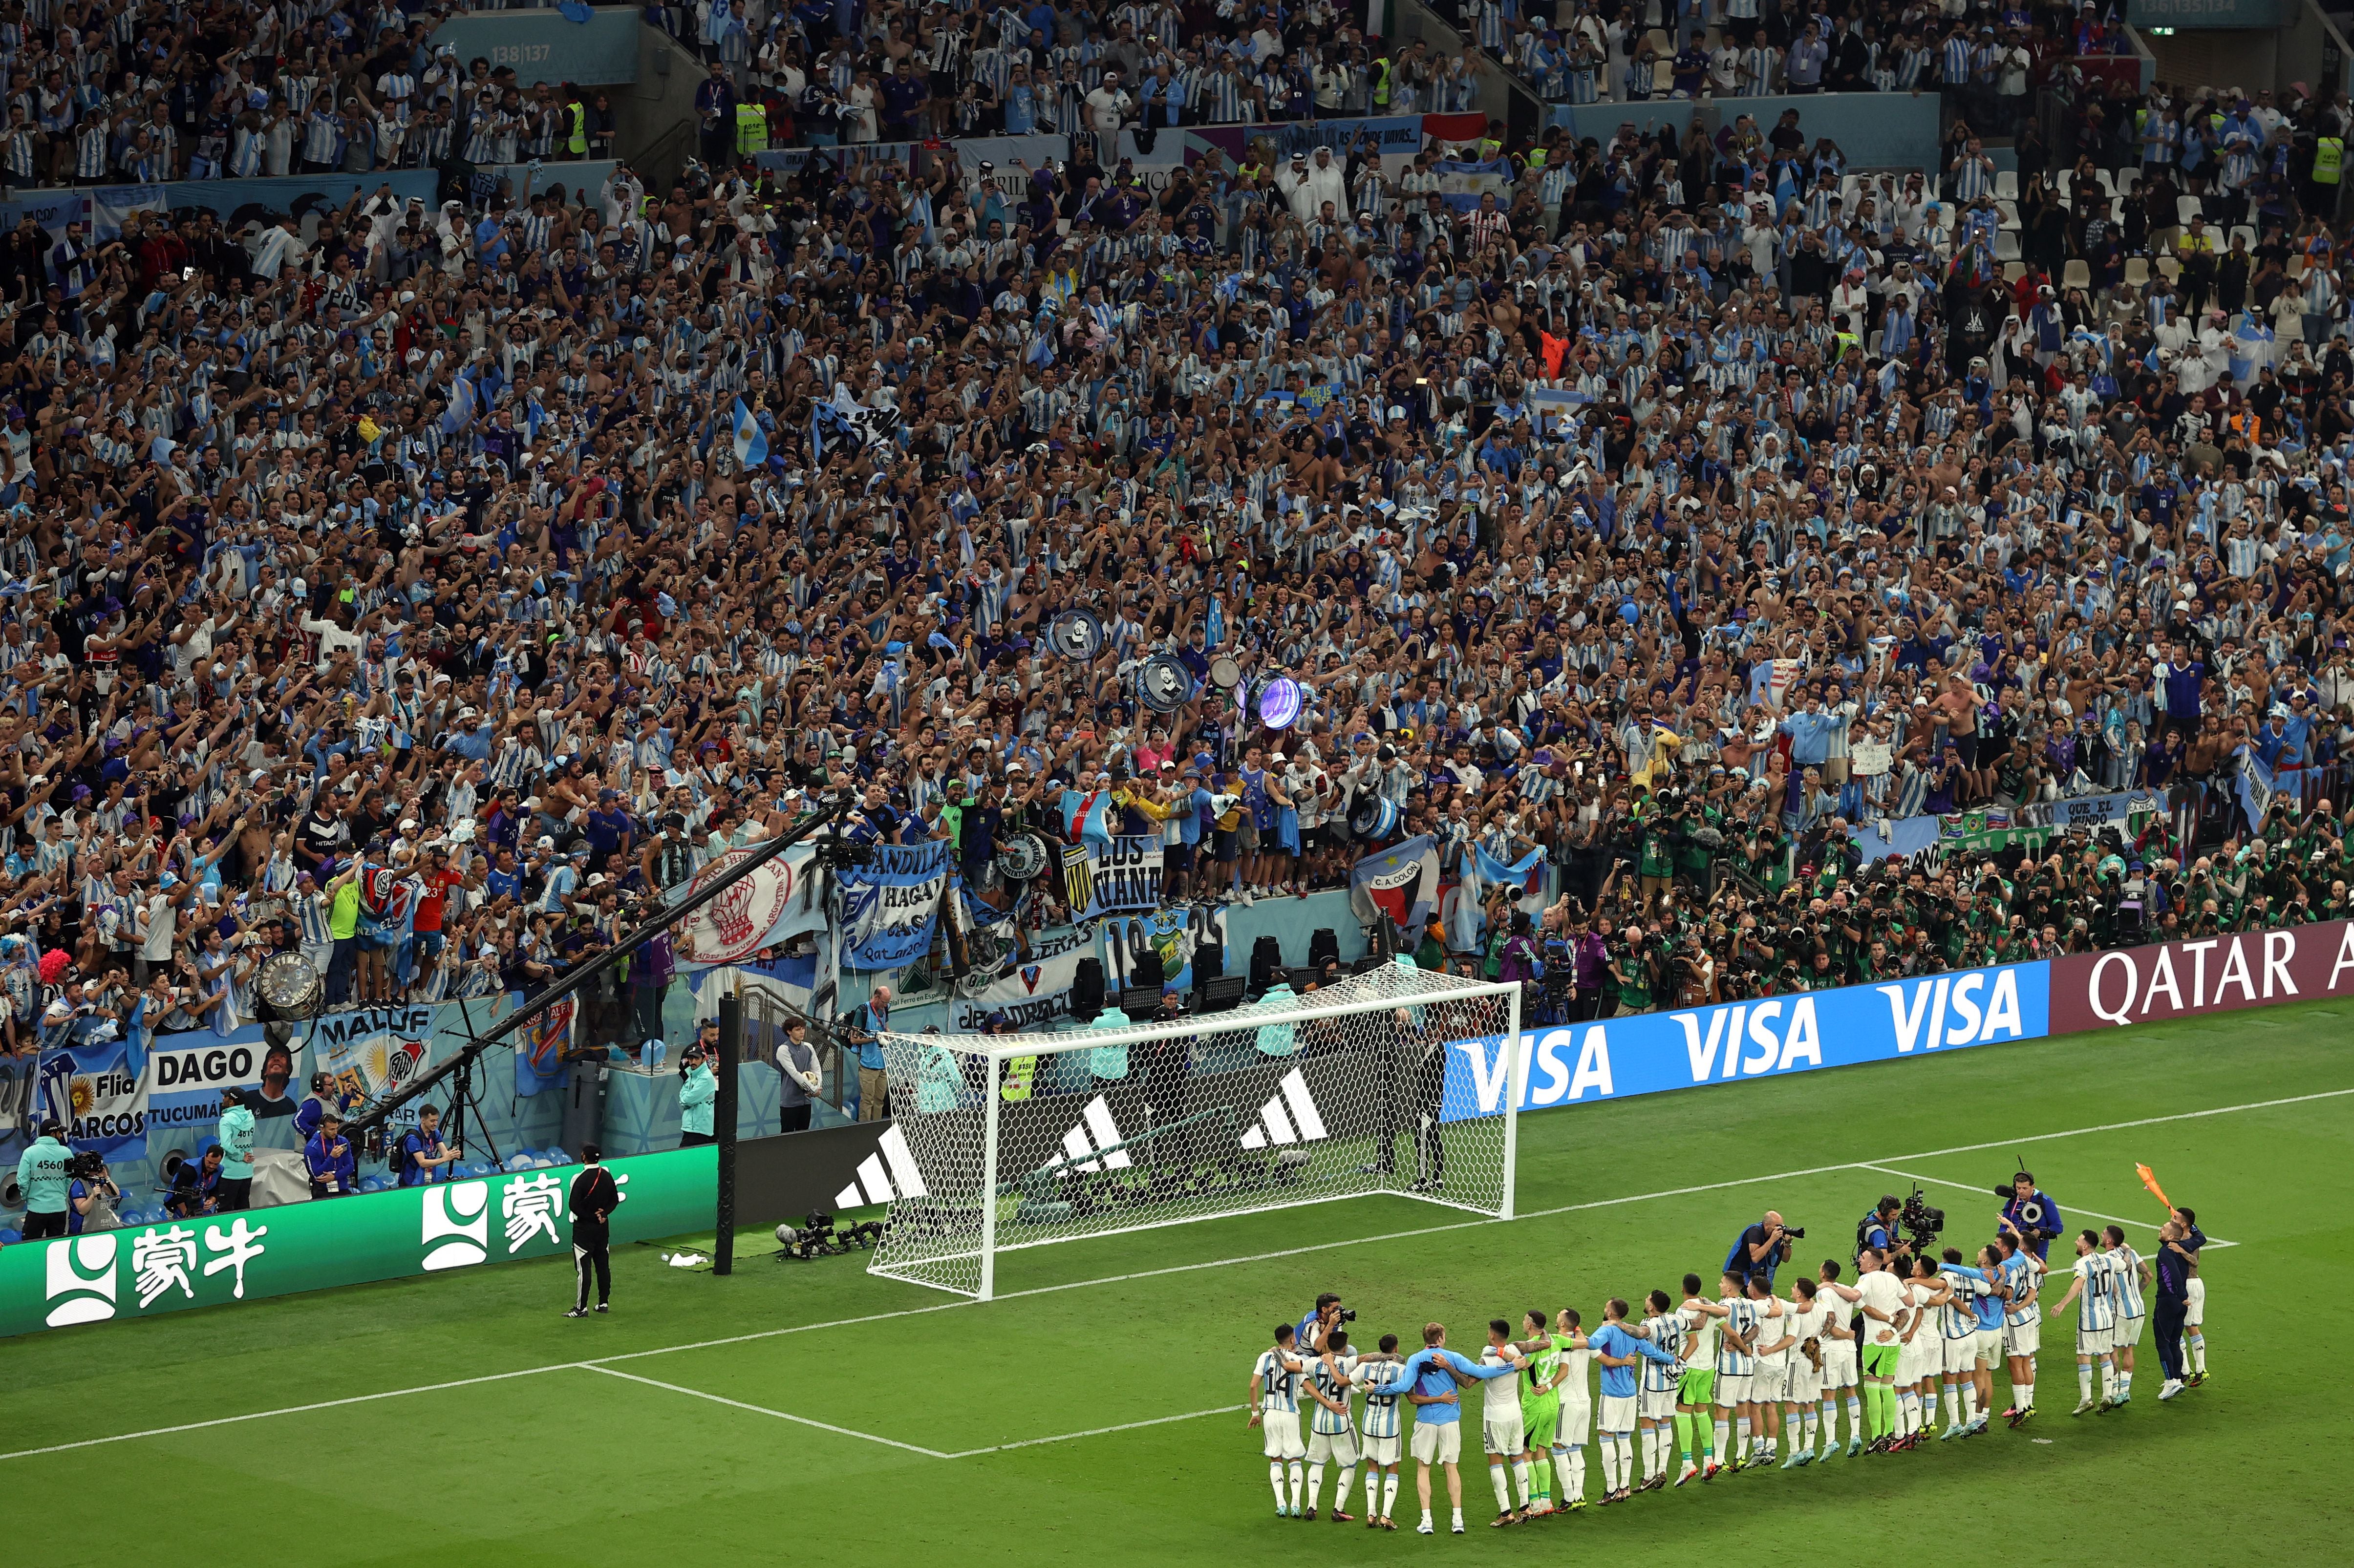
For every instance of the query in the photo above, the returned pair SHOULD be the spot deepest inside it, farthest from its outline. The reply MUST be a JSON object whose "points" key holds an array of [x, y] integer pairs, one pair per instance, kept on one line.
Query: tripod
{"points": [[463, 1100]]}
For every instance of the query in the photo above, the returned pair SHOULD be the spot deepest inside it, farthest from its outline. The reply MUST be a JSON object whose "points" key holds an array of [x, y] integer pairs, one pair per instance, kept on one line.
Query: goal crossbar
{"points": [[1356, 1090]]}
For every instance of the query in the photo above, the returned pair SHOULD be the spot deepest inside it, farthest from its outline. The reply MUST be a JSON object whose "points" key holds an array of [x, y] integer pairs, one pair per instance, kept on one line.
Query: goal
{"points": [[1386, 1082]]}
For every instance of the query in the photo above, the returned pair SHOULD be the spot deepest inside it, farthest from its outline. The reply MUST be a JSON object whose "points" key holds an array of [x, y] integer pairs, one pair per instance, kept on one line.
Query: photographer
{"points": [[93, 1200], [2031, 1213], [196, 1186], [1327, 1316], [328, 1159], [1762, 1248], [422, 1158]]}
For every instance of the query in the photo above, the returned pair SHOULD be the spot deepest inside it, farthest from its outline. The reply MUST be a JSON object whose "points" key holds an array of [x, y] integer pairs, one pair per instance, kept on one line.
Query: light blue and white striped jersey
{"points": [[1959, 1319], [1384, 1393], [2096, 1308], [1330, 1375], [1279, 1380], [1741, 1318], [2127, 1262], [1668, 1334]]}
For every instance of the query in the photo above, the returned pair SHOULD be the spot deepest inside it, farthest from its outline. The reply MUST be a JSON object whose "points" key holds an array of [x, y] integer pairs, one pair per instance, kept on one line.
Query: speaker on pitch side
{"points": [[1088, 989]]}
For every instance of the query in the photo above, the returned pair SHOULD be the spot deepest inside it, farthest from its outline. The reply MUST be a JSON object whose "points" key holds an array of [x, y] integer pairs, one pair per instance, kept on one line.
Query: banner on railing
{"points": [[889, 906], [167, 1267]]}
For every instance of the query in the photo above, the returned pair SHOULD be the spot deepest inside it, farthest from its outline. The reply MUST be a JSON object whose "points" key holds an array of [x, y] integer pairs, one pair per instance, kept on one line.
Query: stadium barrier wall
{"points": [[146, 1270]]}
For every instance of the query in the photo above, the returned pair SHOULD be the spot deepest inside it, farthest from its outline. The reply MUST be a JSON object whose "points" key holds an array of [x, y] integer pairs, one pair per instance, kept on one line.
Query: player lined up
{"points": [[1740, 1382]]}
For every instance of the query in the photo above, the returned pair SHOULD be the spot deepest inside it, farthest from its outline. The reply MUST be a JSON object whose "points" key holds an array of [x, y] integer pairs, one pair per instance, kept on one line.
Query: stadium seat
{"points": [[2006, 184], [2012, 271], [2006, 246], [2245, 233], [2170, 267], [2186, 208], [2137, 271]]}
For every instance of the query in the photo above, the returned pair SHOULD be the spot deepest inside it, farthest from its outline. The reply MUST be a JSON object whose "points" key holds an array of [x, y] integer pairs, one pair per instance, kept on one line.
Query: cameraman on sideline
{"points": [[1761, 1249], [1878, 1228], [2029, 1211], [94, 1202]]}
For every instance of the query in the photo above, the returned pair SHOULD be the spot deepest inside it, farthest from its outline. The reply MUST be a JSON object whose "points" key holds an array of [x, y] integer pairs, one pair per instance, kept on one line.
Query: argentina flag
{"points": [[751, 445]]}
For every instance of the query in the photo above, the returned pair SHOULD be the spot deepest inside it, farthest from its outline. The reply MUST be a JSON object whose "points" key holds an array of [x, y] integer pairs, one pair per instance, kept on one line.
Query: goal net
{"points": [[1386, 1082]]}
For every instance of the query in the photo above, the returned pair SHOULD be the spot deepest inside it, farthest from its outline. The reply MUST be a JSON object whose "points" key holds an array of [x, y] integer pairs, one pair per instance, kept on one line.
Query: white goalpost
{"points": [[1396, 1080]]}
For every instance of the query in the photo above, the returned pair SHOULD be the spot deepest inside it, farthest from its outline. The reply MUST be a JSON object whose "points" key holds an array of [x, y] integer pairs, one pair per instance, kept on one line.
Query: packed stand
{"points": [[430, 591], [1983, 62]]}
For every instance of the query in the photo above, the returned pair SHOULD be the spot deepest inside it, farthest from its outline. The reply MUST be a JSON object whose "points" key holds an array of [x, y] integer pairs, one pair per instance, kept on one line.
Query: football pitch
{"points": [[1096, 1410]]}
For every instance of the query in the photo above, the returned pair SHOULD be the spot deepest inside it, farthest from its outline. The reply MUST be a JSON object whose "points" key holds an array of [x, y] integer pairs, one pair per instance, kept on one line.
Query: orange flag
{"points": [[2149, 1180]]}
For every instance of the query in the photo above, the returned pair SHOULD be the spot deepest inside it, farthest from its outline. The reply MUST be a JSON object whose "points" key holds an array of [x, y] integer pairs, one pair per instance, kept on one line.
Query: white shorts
{"points": [[2194, 1310], [1655, 1405], [1806, 1385], [1767, 1384], [1282, 1432], [1839, 1364], [1618, 1413], [2022, 1338], [1505, 1435], [1383, 1450], [2095, 1341], [1989, 1344], [1962, 1354], [1439, 1442], [1333, 1448], [1916, 1359], [1732, 1389], [1576, 1428], [2128, 1332]]}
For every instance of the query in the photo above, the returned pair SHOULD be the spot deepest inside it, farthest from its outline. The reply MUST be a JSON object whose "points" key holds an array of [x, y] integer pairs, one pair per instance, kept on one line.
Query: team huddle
{"points": [[1707, 1386]]}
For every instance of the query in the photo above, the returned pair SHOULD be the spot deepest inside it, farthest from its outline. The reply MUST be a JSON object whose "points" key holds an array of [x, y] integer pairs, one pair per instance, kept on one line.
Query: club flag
{"points": [[2149, 1179], [461, 412], [751, 445], [1086, 815], [1517, 874], [1401, 882]]}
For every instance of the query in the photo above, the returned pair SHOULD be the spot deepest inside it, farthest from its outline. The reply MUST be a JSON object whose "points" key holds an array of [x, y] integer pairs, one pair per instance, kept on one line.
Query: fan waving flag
{"points": [[1401, 882], [751, 445]]}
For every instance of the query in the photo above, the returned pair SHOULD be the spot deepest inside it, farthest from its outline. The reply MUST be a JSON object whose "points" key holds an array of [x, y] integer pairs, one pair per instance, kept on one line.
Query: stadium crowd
{"points": [[429, 590]]}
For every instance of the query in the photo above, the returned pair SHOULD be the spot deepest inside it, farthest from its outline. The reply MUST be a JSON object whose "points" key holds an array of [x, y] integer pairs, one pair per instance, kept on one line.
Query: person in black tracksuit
{"points": [[594, 1198]]}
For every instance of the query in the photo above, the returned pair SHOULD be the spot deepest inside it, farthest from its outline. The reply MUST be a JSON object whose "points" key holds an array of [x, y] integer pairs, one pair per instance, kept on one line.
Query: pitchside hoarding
{"points": [[1653, 1051], [2214, 974], [146, 1269]]}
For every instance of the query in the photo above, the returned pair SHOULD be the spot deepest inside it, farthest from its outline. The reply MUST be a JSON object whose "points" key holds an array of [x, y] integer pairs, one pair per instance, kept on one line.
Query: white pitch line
{"points": [[2088, 1213], [764, 1409], [1097, 1431], [287, 1410], [1179, 1269]]}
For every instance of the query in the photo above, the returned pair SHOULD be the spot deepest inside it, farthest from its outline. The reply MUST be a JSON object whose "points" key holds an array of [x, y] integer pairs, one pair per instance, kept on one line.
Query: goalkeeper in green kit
{"points": [[1541, 1405]]}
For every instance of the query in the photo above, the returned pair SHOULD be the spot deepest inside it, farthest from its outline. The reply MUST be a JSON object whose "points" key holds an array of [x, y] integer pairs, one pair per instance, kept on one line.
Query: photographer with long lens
{"points": [[1762, 1248]]}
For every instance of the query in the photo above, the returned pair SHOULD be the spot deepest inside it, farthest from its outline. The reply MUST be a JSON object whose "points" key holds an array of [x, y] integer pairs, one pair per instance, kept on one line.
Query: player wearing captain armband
{"points": [[1275, 1408], [2130, 1272], [1432, 1376]]}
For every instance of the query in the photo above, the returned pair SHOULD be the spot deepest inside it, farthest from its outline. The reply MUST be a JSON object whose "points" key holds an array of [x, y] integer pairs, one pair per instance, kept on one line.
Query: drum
{"points": [[1376, 817], [1163, 685], [1279, 702], [1076, 634], [1224, 673], [1021, 858]]}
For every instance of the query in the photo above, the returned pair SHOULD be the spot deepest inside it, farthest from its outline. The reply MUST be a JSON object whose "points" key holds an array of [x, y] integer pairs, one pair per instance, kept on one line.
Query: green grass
{"points": [[571, 1466]]}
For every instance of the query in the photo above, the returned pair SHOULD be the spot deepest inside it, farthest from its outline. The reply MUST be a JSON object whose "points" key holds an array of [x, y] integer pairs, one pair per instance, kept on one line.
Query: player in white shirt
{"points": [[2132, 1277], [1880, 1297], [1736, 1368], [1655, 1391], [2090, 1291], [1574, 1383], [2194, 1312], [2022, 1321], [1921, 1360], [1502, 1429], [1811, 1324], [1331, 1430], [1841, 1379], [1383, 1431], [1275, 1409], [1769, 1384], [1696, 1390]]}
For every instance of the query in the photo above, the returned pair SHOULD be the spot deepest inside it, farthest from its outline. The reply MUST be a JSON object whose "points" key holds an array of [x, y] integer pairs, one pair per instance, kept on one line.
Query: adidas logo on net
{"points": [[1289, 1115]]}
